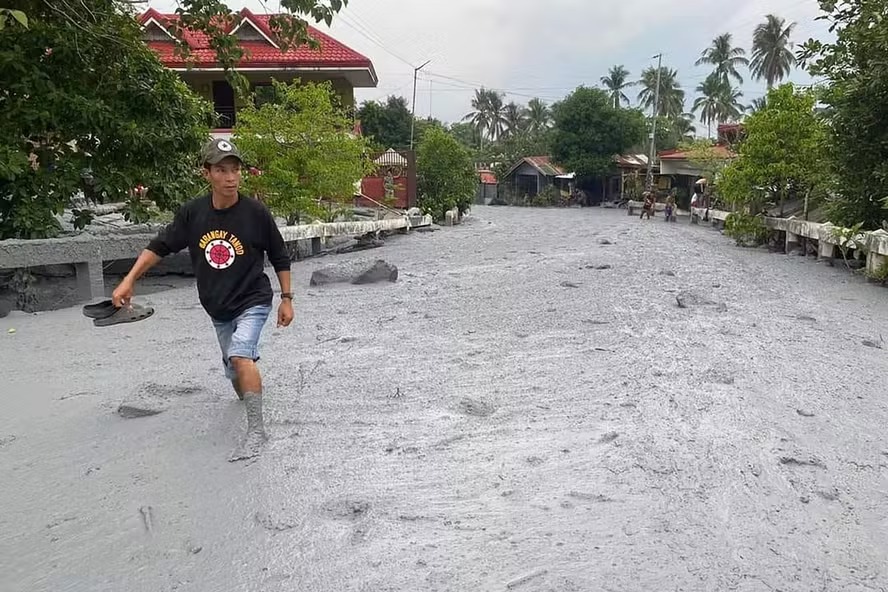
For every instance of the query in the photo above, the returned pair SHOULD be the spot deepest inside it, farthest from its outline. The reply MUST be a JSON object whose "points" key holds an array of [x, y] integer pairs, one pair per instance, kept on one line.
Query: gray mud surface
{"points": [[510, 415]]}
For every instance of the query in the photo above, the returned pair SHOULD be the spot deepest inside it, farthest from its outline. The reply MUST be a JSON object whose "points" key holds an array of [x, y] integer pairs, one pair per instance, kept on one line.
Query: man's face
{"points": [[224, 177]]}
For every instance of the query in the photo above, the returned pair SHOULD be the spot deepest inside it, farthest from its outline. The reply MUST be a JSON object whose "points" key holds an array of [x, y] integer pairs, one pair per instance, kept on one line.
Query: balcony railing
{"points": [[227, 117]]}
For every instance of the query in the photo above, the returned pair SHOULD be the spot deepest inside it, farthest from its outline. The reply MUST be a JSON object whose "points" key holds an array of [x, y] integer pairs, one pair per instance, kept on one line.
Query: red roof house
{"points": [[263, 61]]}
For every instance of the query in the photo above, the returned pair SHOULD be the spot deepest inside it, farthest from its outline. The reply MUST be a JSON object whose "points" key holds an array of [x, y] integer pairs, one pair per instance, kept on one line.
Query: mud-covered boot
{"points": [[255, 437]]}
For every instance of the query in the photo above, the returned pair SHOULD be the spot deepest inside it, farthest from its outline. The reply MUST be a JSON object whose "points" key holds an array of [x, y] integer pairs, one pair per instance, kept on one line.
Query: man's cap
{"points": [[218, 149]]}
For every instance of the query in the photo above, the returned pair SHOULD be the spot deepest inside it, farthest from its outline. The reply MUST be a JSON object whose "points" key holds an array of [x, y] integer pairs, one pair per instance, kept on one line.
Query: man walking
{"points": [[227, 235]]}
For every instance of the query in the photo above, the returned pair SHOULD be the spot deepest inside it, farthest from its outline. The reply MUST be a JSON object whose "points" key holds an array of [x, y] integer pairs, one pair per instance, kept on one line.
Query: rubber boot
{"points": [[255, 437]]}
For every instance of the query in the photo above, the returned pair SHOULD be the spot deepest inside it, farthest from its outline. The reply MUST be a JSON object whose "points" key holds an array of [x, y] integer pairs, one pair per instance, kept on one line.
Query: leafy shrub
{"points": [[746, 230]]}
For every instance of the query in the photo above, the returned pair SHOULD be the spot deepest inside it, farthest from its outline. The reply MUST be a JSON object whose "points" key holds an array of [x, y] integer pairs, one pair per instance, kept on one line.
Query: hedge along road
{"points": [[526, 408]]}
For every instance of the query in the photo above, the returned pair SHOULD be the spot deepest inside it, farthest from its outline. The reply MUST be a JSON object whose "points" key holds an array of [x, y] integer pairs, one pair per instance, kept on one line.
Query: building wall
{"points": [[202, 83]]}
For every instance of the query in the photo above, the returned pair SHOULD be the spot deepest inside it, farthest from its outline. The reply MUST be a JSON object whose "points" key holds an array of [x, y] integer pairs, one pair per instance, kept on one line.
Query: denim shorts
{"points": [[239, 337]]}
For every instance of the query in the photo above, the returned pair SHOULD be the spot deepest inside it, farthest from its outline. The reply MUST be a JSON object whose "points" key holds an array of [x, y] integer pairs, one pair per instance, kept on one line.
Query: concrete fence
{"points": [[874, 244], [88, 253]]}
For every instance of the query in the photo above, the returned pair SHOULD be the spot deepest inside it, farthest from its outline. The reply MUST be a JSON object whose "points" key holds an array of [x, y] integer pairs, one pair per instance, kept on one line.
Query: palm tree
{"points": [[515, 121], [479, 116], [724, 57], [707, 104], [488, 114], [672, 97], [496, 115], [771, 56], [615, 82], [730, 108], [683, 127], [538, 115], [757, 105], [718, 101]]}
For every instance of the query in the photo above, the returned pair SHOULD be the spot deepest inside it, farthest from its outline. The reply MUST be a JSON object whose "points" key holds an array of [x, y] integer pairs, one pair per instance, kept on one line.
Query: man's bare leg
{"points": [[249, 381]]}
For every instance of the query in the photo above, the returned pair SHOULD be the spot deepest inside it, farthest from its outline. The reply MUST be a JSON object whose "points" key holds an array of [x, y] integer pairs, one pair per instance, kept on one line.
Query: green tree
{"points": [[589, 131], [87, 106], [783, 151], [445, 174], [616, 82], [771, 55], [304, 149], [725, 58], [856, 103], [74, 121], [718, 101], [538, 115], [672, 97], [465, 134], [388, 123], [515, 120]]}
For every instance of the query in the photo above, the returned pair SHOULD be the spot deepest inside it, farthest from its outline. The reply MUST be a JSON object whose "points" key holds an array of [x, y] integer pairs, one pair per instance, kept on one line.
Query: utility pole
{"points": [[413, 109], [649, 182]]}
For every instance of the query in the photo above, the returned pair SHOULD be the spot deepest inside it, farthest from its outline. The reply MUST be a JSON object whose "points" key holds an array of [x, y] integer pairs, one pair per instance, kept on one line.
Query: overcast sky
{"points": [[533, 48]]}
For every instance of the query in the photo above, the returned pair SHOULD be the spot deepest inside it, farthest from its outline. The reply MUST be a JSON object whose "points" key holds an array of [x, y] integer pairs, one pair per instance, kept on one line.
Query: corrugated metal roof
{"points": [[487, 177], [632, 160], [543, 164]]}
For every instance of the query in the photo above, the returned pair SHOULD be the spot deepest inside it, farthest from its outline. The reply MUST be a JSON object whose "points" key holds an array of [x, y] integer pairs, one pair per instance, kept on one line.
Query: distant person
{"points": [[227, 235], [648, 205], [670, 208]]}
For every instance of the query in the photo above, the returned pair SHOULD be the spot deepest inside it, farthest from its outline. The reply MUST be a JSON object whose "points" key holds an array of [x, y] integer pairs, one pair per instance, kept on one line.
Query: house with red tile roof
{"points": [[263, 61]]}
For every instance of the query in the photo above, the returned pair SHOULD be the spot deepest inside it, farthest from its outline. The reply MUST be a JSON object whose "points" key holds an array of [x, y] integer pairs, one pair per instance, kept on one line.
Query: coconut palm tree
{"points": [[683, 127], [515, 120], [488, 114], [757, 105], [771, 56], [538, 115], [725, 58], [616, 81], [672, 97], [496, 114], [707, 103], [479, 116], [718, 102]]}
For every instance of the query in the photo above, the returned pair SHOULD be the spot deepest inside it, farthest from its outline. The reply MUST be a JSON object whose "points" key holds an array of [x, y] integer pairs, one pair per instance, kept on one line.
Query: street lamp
{"points": [[413, 109]]}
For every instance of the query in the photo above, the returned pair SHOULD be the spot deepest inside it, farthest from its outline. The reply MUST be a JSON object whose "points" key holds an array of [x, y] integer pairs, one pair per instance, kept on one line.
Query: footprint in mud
{"points": [[793, 461], [717, 376], [274, 523], [347, 509], [153, 399], [476, 407]]}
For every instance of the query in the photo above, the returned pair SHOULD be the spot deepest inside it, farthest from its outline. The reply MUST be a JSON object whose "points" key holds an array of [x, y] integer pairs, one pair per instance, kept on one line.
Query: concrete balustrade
{"points": [[89, 253], [874, 244]]}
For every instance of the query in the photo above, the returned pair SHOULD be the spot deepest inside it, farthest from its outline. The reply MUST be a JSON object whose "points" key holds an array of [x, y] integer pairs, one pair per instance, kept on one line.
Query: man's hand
{"points": [[285, 313], [123, 294]]}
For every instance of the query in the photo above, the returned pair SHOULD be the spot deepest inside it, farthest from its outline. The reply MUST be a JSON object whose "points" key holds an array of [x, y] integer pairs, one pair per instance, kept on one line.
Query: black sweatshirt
{"points": [[227, 249]]}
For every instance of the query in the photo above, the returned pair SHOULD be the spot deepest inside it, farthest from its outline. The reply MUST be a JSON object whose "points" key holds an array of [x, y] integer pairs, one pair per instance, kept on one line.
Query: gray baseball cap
{"points": [[218, 149]]}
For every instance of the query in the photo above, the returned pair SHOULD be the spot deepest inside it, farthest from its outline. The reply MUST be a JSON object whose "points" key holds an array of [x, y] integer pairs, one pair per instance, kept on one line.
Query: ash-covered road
{"points": [[512, 414]]}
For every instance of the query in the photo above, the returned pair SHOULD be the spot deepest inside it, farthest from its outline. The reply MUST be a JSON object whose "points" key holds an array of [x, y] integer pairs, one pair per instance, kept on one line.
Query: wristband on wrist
{"points": [[287, 295]]}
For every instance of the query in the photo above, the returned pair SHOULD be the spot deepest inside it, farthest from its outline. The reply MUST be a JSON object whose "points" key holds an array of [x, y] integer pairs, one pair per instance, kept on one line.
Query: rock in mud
{"points": [[355, 272], [604, 241], [667, 273], [692, 299], [569, 285], [873, 344]]}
